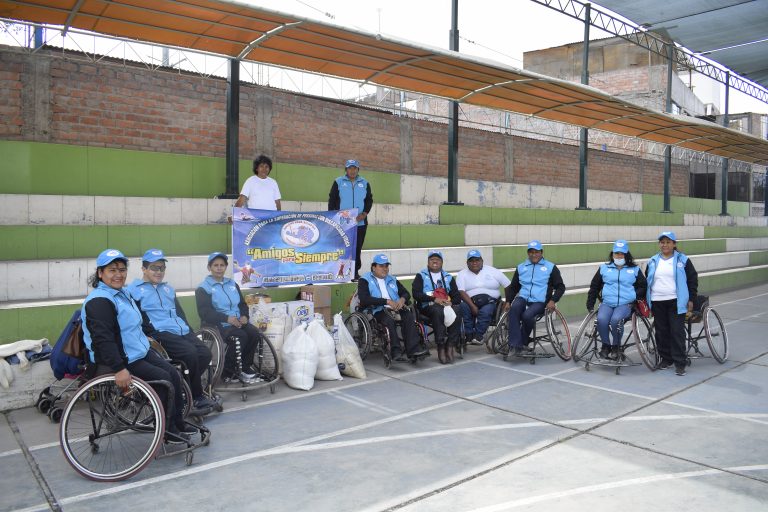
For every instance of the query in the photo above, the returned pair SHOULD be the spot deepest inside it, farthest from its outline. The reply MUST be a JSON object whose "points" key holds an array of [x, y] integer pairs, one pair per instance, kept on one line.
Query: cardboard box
{"points": [[256, 298], [259, 314], [326, 312], [300, 311], [320, 295]]}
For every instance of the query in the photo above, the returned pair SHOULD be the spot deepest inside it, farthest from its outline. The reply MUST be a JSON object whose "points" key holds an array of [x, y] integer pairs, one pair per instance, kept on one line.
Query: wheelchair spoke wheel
{"points": [[498, 341], [559, 335], [717, 339], [585, 338], [186, 396], [211, 338], [360, 329], [107, 435], [265, 360], [642, 332]]}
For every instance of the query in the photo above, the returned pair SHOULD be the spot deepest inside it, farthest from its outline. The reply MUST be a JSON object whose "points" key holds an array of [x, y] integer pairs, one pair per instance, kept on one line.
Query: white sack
{"points": [[327, 368], [347, 352], [299, 359]]}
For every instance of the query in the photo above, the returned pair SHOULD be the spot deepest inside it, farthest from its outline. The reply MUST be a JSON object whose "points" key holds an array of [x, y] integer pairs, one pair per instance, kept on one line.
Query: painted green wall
{"points": [[529, 216], [655, 203], [735, 231]]}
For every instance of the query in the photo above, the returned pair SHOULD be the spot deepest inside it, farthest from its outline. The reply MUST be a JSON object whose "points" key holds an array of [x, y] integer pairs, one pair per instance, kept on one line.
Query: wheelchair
{"points": [[556, 334], [370, 335], [587, 344], [108, 434], [712, 329], [427, 334], [265, 362]]}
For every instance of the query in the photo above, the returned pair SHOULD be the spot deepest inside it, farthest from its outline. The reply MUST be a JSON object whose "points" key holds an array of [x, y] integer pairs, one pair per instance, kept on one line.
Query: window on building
{"points": [[738, 185]]}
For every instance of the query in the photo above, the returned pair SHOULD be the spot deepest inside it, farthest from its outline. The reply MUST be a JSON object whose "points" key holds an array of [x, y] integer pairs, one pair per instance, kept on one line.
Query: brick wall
{"points": [[124, 106]]}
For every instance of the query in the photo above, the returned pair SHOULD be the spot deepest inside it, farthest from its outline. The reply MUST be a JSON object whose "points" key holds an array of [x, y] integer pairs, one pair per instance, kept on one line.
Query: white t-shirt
{"points": [[487, 281], [383, 288], [261, 193], [663, 287]]}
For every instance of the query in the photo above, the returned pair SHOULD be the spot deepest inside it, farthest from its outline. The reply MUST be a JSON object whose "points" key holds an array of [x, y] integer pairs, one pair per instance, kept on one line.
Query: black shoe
{"points": [[420, 353], [355, 279], [664, 365], [516, 350], [186, 429], [604, 352], [174, 436], [680, 370]]}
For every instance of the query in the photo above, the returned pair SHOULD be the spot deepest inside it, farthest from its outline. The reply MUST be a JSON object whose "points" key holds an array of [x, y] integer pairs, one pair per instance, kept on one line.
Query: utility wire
{"points": [[324, 13], [490, 49]]}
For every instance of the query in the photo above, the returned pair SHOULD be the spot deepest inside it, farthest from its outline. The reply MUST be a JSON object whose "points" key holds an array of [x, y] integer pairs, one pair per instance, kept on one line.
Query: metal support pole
{"points": [[233, 124], [38, 37], [724, 172], [584, 133], [765, 194], [453, 117], [668, 149]]}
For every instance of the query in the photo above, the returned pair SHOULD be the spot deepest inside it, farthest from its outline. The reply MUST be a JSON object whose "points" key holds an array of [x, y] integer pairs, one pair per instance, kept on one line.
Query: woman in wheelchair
{"points": [[220, 304], [114, 338], [673, 284], [538, 286], [387, 298], [619, 282], [434, 290]]}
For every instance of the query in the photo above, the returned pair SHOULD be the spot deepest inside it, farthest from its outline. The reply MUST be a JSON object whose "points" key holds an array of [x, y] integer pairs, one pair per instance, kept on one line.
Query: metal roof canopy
{"points": [[248, 33], [733, 33]]}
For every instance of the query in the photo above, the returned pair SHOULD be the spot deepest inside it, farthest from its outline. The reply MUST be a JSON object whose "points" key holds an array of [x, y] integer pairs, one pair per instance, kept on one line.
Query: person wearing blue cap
{"points": [[113, 335], [434, 290], [260, 192], [165, 321], [536, 285], [353, 191], [479, 288], [387, 299], [619, 282], [673, 284], [220, 304]]}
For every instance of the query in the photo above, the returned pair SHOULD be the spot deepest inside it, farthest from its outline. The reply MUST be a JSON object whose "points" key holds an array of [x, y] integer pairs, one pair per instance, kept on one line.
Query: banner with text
{"points": [[271, 248]]}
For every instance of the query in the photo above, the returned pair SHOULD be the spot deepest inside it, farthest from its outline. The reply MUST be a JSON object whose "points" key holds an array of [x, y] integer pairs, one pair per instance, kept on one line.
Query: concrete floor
{"points": [[481, 435]]}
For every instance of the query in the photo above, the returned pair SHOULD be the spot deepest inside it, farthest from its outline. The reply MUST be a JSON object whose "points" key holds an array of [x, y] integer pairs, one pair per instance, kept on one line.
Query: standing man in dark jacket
{"points": [[353, 191]]}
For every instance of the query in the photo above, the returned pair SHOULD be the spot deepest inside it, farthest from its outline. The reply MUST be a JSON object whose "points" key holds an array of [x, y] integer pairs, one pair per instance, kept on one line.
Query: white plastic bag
{"points": [[299, 359], [347, 352], [272, 320], [449, 316], [327, 369]]}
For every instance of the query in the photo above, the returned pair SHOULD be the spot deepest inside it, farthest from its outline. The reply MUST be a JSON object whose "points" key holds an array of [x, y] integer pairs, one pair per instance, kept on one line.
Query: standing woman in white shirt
{"points": [[672, 287], [260, 192]]}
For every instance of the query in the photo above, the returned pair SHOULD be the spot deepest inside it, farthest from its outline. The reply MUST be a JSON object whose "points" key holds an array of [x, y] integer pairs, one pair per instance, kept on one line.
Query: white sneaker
{"points": [[247, 378]]}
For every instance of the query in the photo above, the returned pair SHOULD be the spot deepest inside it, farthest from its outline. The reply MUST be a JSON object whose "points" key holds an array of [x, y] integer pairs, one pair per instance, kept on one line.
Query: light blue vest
{"points": [[373, 288], [224, 296], [135, 344], [159, 303], [534, 279], [352, 194], [681, 281], [426, 278], [618, 285]]}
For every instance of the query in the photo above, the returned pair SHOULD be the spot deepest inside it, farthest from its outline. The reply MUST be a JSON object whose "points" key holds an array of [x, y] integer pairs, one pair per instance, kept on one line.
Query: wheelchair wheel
{"points": [[717, 339], [585, 337], [360, 329], [265, 360], [212, 339], [642, 332], [498, 341], [186, 395], [107, 435], [559, 335]]}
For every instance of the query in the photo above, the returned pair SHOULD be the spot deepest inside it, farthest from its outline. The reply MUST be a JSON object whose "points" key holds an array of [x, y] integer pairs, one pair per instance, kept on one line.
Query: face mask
{"points": [[618, 263]]}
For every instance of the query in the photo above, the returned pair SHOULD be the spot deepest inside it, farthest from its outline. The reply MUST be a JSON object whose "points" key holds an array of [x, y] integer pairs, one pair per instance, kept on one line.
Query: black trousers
{"points": [[154, 367], [189, 350], [407, 326], [361, 230], [436, 315], [669, 326], [248, 336]]}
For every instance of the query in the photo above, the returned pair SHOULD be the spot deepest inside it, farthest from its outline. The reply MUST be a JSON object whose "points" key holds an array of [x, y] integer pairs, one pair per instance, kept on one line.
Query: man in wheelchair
{"points": [[479, 288], [435, 291], [538, 285], [386, 297]]}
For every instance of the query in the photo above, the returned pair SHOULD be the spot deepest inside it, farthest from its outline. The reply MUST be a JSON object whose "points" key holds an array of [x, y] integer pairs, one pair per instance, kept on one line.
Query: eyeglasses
{"points": [[156, 268]]}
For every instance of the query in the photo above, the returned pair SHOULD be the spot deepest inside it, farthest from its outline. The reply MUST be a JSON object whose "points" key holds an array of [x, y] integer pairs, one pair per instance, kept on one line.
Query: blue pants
{"points": [[610, 321], [475, 327], [522, 319]]}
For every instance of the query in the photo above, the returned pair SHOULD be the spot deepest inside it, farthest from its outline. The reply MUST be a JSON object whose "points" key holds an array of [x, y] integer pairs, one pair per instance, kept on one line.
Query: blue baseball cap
{"points": [[352, 163], [153, 255], [474, 253], [668, 234], [381, 259], [534, 244], [621, 246], [215, 255], [434, 252], [108, 256]]}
